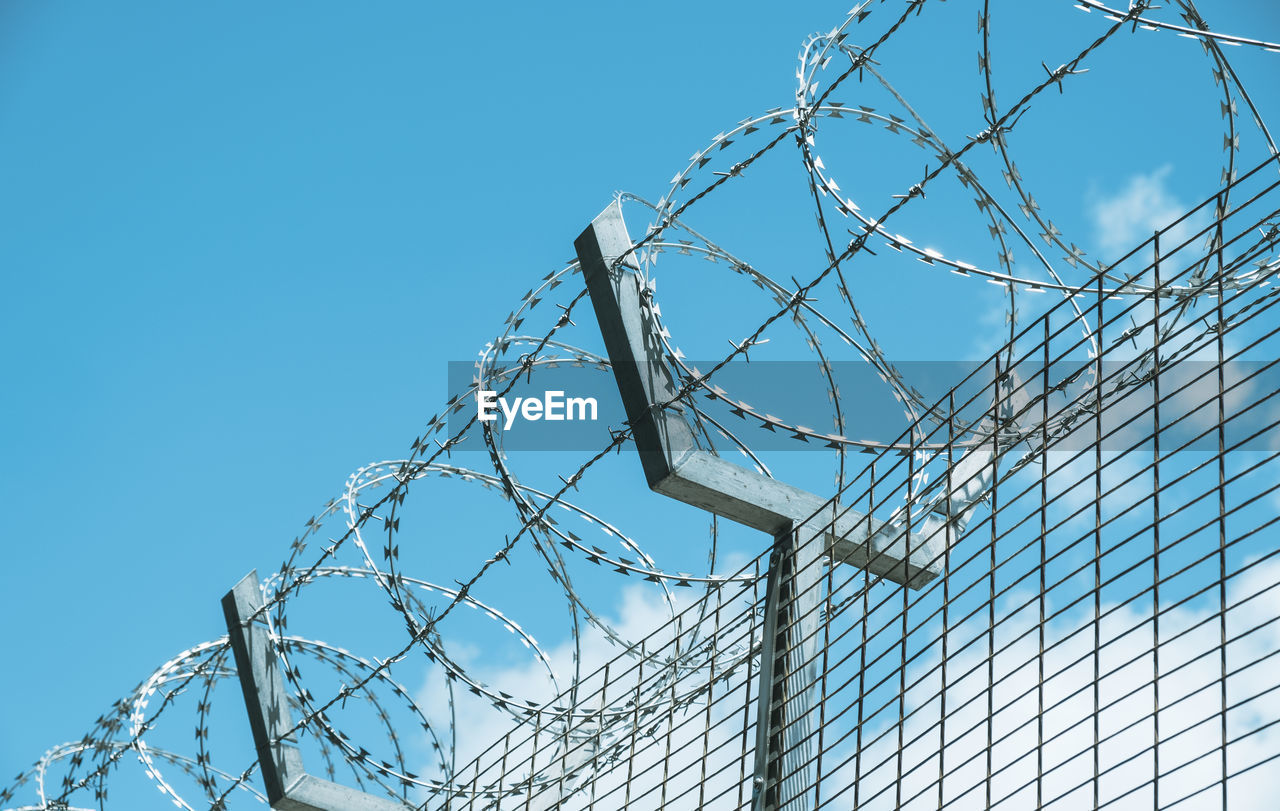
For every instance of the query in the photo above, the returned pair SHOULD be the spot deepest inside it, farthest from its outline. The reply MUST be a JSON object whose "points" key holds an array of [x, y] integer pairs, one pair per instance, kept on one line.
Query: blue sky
{"points": [[243, 242], [243, 245]]}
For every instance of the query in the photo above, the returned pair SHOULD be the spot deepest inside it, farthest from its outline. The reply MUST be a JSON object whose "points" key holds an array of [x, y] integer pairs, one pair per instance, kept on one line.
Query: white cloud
{"points": [[990, 330], [1125, 218]]}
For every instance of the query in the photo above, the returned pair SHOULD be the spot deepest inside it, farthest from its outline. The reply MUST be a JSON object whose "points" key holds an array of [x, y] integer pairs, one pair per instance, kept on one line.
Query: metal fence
{"points": [[1087, 615], [1102, 629]]}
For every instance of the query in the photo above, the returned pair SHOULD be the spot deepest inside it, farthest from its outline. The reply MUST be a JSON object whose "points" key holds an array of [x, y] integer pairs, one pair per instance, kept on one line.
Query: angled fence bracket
{"points": [[803, 526], [288, 786], [676, 467]]}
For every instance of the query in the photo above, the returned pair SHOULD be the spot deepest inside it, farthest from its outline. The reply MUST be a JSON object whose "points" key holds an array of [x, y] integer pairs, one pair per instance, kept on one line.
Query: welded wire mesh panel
{"points": [[670, 723], [1103, 627]]}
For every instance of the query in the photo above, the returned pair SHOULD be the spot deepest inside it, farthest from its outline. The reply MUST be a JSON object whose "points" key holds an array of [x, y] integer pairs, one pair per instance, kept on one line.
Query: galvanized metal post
{"points": [[675, 466], [788, 674], [289, 787]]}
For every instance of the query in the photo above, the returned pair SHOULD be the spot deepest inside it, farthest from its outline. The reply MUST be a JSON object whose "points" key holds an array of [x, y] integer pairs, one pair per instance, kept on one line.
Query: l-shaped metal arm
{"points": [[676, 467], [289, 787]]}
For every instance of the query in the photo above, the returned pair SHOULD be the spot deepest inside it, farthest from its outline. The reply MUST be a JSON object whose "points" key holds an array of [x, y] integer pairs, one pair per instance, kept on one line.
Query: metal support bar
{"points": [[288, 786], [676, 467], [788, 673]]}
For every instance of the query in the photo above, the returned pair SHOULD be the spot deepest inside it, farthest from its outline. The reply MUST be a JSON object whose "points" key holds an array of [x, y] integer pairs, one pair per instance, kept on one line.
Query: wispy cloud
{"points": [[990, 330], [1144, 205]]}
